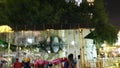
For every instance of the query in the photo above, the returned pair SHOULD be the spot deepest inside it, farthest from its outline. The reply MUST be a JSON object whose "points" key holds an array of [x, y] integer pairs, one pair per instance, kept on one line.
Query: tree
{"points": [[104, 30], [21, 12], [33, 12], [53, 12]]}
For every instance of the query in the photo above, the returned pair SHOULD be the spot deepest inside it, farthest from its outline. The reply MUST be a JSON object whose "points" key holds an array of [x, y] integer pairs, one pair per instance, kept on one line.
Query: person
{"points": [[70, 63], [4, 64], [78, 62], [0, 64], [27, 62], [17, 64]]}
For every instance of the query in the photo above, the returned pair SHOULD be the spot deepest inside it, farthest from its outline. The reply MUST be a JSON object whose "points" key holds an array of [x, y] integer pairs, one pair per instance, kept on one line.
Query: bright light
{"points": [[73, 42], [49, 51], [78, 2], [103, 45], [118, 41], [90, 1], [119, 50], [2, 45], [30, 40], [20, 48], [9, 59]]}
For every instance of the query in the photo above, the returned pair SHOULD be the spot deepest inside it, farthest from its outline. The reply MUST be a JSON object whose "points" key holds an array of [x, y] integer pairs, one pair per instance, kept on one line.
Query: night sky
{"points": [[113, 11]]}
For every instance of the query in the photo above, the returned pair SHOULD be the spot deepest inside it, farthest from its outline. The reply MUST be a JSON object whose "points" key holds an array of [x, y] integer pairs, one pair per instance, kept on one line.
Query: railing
{"points": [[103, 63]]}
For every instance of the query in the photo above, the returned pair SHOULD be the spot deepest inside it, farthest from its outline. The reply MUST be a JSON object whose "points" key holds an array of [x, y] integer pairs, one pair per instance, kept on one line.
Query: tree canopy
{"points": [[40, 11], [21, 12]]}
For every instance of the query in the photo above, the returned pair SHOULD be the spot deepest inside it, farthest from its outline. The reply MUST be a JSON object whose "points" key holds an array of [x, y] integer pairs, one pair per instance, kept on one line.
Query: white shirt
{"points": [[78, 63]]}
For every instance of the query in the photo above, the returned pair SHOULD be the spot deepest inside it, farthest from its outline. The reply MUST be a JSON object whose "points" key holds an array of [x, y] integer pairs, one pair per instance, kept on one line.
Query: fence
{"points": [[103, 63]]}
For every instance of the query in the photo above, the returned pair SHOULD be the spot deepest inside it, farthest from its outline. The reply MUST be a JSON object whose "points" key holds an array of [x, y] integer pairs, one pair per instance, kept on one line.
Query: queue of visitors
{"points": [[68, 62]]}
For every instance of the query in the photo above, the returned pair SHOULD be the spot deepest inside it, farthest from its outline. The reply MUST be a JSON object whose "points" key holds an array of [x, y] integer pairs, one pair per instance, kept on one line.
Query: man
{"points": [[70, 63], [17, 64]]}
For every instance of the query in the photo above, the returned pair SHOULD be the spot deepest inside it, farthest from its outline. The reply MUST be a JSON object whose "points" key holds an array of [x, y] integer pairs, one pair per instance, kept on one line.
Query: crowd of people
{"points": [[69, 62]]}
